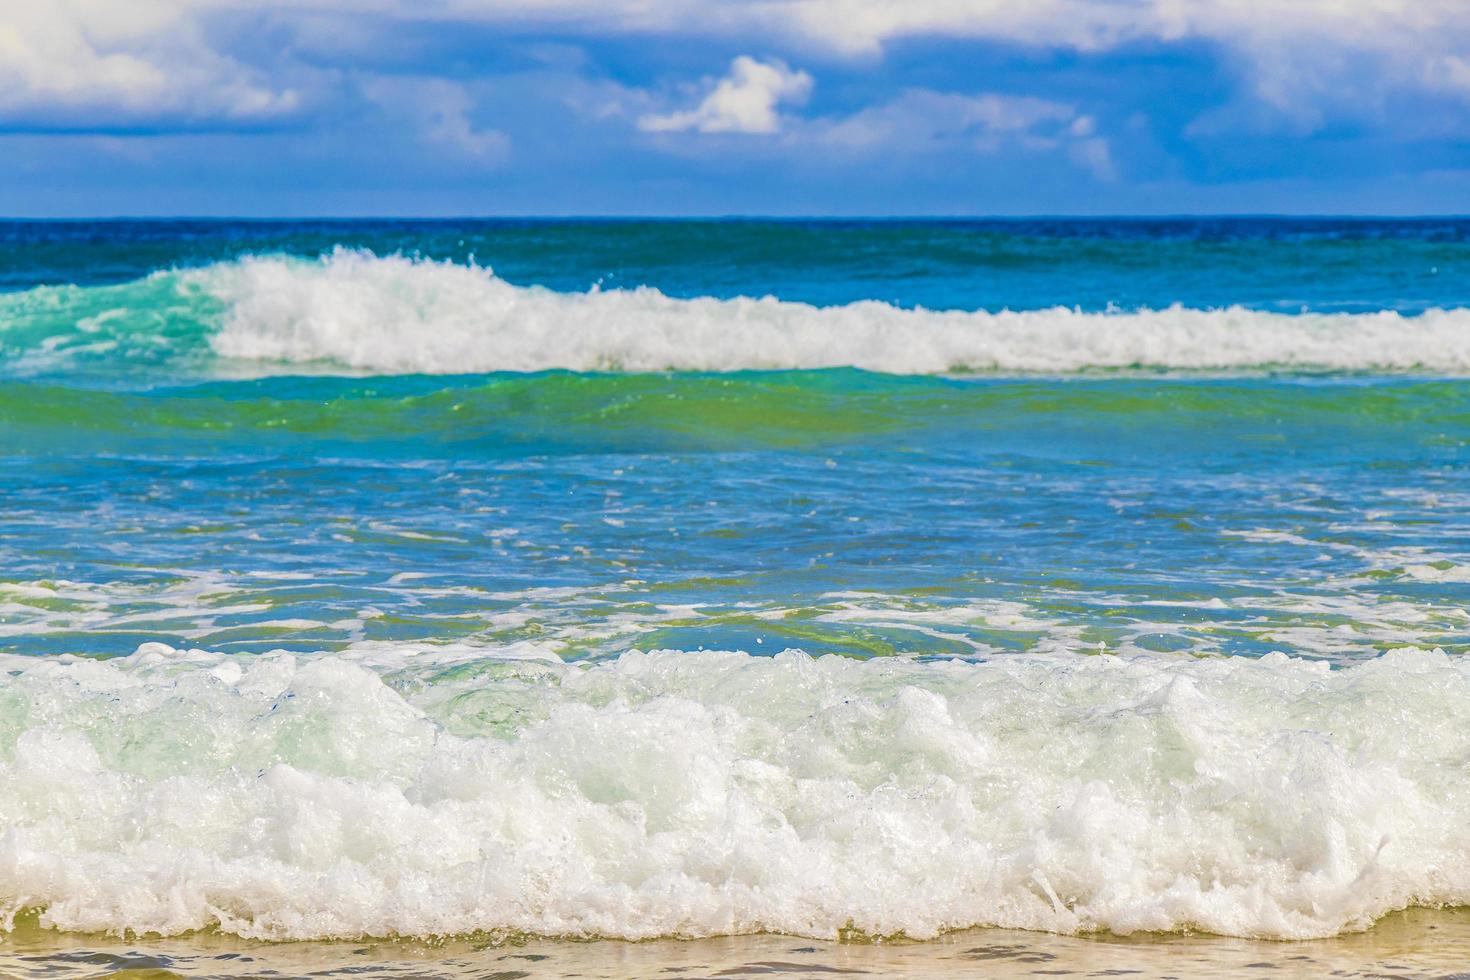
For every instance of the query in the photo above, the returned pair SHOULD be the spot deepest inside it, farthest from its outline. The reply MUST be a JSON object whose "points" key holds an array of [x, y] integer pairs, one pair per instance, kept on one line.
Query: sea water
{"points": [[635, 580]]}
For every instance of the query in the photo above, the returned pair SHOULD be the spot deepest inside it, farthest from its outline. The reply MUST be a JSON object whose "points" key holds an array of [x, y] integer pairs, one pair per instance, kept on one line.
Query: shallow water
{"points": [[708, 578], [1414, 944]]}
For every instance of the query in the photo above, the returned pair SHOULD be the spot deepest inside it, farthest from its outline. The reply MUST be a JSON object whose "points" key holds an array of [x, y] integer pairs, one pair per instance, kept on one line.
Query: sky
{"points": [[728, 107]]}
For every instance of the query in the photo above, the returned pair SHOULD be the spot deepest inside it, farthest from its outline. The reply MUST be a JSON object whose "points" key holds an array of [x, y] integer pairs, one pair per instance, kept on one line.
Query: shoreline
{"points": [[1411, 943]]}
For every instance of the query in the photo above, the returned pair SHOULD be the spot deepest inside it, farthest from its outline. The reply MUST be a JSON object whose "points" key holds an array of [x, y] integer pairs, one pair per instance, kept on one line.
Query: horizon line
{"points": [[756, 217]]}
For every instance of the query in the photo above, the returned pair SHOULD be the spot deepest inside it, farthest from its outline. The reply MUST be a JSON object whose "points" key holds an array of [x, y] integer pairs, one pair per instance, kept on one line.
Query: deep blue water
{"points": [[1286, 264]]}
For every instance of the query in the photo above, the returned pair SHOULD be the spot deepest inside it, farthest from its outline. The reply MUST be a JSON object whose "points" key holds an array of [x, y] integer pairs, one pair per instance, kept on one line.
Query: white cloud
{"points": [[81, 62], [1295, 54], [93, 63], [920, 117], [745, 101], [916, 124], [858, 26], [438, 111], [920, 122]]}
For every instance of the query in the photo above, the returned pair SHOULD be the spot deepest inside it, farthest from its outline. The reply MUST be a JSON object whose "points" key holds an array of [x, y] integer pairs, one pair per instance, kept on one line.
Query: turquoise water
{"points": [[366, 518]]}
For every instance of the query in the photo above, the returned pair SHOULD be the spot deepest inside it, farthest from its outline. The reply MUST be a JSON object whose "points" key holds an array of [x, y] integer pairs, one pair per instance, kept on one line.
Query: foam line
{"points": [[713, 793]]}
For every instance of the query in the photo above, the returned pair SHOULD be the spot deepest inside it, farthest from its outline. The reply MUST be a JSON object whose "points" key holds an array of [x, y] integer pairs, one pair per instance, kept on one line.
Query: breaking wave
{"points": [[398, 790], [357, 312]]}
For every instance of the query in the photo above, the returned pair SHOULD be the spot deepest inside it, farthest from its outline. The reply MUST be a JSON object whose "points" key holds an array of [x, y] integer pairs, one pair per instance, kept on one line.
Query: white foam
{"points": [[394, 314], [705, 793]]}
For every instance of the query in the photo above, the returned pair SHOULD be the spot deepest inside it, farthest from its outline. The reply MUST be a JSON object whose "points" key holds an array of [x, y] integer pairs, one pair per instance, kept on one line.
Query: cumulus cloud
{"points": [[744, 101], [865, 26], [68, 64], [914, 126], [82, 62], [1295, 56], [1299, 58]]}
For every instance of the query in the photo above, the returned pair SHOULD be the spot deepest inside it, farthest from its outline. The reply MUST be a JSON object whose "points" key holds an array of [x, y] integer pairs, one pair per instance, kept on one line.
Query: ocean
{"points": [[631, 580]]}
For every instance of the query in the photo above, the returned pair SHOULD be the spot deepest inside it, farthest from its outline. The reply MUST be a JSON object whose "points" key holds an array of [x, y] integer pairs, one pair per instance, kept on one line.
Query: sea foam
{"points": [[399, 315], [351, 311], [399, 791]]}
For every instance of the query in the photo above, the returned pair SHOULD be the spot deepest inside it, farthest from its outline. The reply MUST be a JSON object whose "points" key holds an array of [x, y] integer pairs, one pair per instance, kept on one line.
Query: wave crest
{"points": [[352, 311], [402, 315]]}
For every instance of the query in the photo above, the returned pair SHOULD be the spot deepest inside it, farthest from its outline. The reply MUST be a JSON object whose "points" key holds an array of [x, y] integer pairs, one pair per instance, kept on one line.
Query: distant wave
{"points": [[395, 790], [357, 312]]}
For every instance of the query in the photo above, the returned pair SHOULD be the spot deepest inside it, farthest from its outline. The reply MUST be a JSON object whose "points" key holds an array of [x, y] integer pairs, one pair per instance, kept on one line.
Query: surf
{"points": [[352, 311], [421, 790]]}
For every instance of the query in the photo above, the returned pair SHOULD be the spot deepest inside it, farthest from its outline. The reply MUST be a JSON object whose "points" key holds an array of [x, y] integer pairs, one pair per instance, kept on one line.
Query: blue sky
{"points": [[281, 107]]}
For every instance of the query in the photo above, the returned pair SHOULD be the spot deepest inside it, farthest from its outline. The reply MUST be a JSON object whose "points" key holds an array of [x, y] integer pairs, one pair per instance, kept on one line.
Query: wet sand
{"points": [[1416, 943]]}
